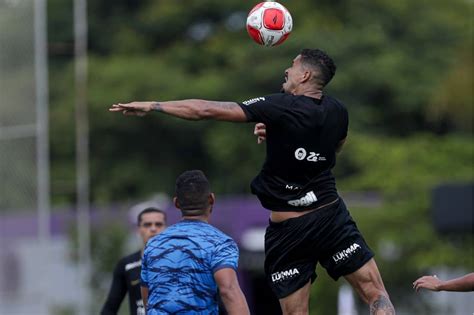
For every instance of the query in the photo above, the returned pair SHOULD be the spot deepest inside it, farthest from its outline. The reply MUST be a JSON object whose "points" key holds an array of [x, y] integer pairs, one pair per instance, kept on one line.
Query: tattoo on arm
{"points": [[226, 105], [382, 306], [227, 111], [196, 109], [156, 107]]}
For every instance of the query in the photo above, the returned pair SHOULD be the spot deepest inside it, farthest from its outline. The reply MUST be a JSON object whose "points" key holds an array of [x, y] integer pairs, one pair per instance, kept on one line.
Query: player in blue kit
{"points": [[185, 267]]}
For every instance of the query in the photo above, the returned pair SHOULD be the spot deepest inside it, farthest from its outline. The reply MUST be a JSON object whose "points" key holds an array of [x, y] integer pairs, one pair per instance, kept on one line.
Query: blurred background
{"points": [[70, 170]]}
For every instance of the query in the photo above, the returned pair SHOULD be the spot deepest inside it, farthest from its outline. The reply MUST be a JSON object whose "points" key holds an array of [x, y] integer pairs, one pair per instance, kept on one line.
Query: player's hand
{"points": [[133, 108], [427, 282], [260, 131]]}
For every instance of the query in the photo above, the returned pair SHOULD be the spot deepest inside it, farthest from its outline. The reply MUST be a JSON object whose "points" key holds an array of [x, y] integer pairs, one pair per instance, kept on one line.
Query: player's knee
{"points": [[375, 294], [295, 307], [296, 311], [370, 291]]}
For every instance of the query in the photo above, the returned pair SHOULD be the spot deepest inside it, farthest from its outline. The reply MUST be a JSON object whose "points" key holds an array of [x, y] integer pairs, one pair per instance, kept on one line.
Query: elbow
{"points": [[203, 111]]}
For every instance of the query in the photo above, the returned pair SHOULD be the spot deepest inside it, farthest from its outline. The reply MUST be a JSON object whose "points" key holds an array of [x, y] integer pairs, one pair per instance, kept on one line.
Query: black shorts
{"points": [[293, 248]]}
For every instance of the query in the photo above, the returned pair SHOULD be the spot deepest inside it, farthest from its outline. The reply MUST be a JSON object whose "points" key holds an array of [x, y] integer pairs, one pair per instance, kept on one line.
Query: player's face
{"points": [[292, 76], [152, 223]]}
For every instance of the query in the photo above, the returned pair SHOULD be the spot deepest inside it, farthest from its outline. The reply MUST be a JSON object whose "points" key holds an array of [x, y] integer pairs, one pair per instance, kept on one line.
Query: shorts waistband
{"points": [[318, 210]]}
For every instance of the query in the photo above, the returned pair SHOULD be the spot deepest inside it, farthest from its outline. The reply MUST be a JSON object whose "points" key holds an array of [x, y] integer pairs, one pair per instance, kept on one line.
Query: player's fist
{"points": [[260, 131]]}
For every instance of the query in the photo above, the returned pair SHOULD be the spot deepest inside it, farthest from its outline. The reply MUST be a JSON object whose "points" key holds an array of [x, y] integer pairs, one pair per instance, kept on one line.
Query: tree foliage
{"points": [[400, 230], [392, 59]]}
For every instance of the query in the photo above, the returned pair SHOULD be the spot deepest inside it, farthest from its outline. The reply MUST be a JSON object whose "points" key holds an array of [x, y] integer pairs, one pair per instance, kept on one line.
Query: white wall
{"points": [[36, 279]]}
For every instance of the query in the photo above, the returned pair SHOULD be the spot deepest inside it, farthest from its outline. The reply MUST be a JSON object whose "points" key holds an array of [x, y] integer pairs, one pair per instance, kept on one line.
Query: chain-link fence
{"points": [[17, 106], [18, 167], [33, 265]]}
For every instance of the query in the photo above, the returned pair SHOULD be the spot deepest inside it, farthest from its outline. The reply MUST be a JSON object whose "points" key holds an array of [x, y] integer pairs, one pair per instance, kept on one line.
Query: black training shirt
{"points": [[303, 134], [126, 279]]}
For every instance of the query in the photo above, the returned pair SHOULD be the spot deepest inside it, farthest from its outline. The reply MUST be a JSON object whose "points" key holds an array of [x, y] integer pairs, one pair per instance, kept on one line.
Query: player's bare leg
{"points": [[297, 303], [369, 285]]}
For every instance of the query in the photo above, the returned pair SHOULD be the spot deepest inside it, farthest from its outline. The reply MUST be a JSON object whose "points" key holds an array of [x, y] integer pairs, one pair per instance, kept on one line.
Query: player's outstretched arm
{"points": [[230, 292], [464, 284], [192, 109]]}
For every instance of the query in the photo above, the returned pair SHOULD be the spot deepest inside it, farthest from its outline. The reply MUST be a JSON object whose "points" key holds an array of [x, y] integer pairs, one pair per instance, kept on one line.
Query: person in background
{"points": [[126, 275]]}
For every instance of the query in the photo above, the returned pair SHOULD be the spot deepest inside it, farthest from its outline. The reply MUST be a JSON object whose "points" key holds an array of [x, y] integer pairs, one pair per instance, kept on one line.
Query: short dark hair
{"points": [[320, 60], [192, 193], [150, 210]]}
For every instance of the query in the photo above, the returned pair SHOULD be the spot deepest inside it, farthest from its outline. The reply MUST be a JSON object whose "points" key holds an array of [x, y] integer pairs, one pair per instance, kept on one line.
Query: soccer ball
{"points": [[269, 23]]}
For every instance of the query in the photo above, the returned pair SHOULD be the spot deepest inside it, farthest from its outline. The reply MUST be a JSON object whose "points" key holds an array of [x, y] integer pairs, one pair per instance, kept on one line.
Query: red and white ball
{"points": [[269, 23]]}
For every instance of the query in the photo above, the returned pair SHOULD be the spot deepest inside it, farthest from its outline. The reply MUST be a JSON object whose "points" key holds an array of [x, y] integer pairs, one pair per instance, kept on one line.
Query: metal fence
{"points": [[18, 167], [24, 160]]}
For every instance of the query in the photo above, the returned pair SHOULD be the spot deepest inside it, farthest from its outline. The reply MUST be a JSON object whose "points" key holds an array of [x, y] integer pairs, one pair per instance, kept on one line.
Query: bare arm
{"points": [[230, 292], [464, 284], [144, 291], [192, 109]]}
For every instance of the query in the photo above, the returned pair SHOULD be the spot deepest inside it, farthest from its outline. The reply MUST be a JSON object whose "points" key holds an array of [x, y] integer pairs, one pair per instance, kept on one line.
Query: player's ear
{"points": [[306, 76], [212, 199], [176, 203]]}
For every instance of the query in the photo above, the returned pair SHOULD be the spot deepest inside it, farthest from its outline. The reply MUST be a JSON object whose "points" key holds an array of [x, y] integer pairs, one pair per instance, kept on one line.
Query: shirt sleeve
{"points": [[266, 109], [117, 292], [226, 255], [144, 269]]}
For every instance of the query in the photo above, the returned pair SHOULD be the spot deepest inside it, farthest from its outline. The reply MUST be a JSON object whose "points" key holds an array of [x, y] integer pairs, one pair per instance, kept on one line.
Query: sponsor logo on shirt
{"points": [[253, 100], [346, 253], [283, 275], [301, 154], [291, 187], [308, 199]]}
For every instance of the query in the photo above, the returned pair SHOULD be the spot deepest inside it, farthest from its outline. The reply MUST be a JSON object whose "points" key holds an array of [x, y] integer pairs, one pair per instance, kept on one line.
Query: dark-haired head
{"points": [[321, 62], [193, 193], [149, 210]]}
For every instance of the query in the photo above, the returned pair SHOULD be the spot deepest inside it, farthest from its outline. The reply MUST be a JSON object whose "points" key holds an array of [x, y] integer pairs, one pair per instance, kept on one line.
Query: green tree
{"points": [[388, 76]]}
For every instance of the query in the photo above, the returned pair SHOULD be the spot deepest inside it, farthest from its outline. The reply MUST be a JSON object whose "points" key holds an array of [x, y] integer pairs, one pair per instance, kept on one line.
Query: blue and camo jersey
{"points": [[178, 268]]}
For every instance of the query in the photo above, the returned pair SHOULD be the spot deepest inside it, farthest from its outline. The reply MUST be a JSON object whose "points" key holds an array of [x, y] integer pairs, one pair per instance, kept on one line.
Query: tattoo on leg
{"points": [[382, 306]]}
